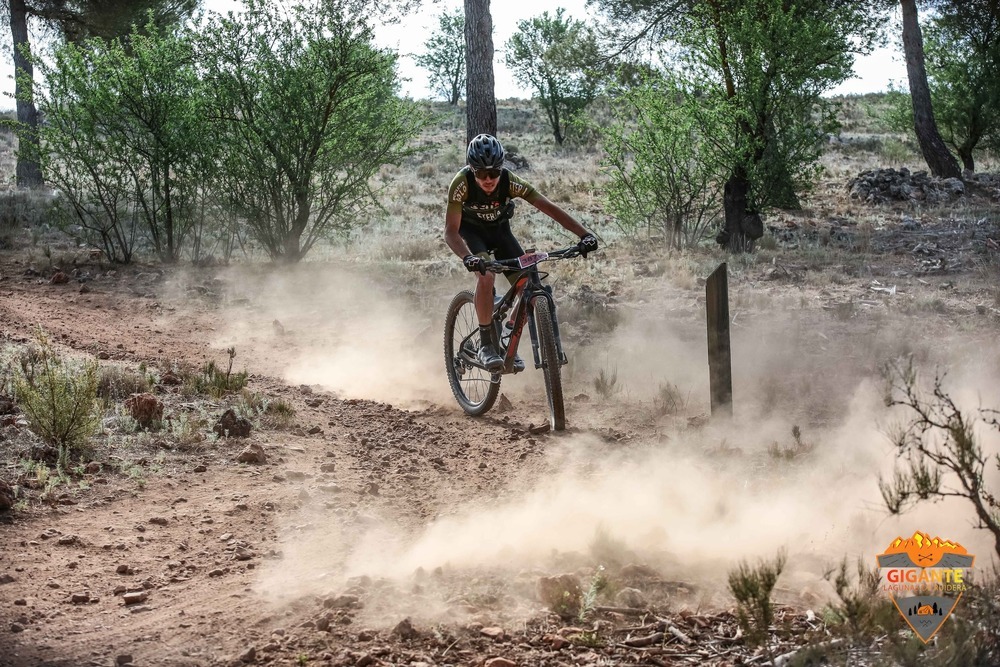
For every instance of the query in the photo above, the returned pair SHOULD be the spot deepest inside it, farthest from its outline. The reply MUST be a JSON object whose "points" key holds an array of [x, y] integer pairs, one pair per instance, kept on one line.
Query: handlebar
{"points": [[530, 259]]}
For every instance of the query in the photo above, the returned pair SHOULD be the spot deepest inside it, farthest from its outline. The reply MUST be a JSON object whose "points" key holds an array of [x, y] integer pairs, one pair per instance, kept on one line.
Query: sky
{"points": [[874, 73]]}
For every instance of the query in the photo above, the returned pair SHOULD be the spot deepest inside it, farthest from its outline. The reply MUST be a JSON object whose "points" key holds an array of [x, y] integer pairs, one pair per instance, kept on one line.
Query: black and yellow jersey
{"points": [[480, 208]]}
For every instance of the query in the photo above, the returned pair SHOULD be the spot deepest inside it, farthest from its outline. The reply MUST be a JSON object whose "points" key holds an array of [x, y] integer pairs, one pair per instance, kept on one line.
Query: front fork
{"points": [[555, 327]]}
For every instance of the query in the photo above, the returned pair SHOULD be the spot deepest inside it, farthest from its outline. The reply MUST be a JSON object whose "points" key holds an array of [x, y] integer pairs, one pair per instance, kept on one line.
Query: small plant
{"points": [[606, 383], [214, 382], [797, 448], [588, 638], [668, 400], [752, 587], [862, 610], [116, 383], [598, 583], [59, 398]]}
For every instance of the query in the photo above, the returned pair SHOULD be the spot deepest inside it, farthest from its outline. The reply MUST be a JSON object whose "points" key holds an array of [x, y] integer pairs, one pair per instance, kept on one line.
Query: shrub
{"points": [[215, 382], [943, 457], [752, 586], [116, 383], [59, 397], [606, 383], [668, 400]]}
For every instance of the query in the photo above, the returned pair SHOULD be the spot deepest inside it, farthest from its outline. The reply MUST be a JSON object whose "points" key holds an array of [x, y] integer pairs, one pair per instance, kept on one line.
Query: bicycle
{"points": [[527, 301]]}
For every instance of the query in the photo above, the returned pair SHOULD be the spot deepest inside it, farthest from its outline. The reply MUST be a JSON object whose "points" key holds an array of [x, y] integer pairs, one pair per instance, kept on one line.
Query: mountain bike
{"points": [[527, 301]]}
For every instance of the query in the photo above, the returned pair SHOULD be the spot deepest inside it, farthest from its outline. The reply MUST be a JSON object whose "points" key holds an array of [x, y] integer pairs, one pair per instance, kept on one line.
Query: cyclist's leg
{"points": [[507, 247], [477, 240]]}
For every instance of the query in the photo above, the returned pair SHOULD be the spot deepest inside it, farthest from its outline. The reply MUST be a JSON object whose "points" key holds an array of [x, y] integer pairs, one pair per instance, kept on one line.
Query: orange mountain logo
{"points": [[925, 577], [924, 550]]}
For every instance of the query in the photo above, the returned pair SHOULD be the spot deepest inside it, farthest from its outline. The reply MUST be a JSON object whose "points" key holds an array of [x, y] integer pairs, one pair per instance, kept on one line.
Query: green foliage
{"points": [[752, 587], [215, 382], [598, 582], [553, 56], [444, 56], [962, 57], [862, 610], [751, 75], [125, 138], [943, 456], [276, 413], [307, 113], [665, 178], [58, 396], [107, 19]]}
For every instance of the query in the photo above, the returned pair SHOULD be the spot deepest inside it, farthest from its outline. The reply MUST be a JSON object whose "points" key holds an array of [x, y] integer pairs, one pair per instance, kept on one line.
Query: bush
{"points": [[59, 397], [116, 383], [662, 181], [215, 382], [752, 586]]}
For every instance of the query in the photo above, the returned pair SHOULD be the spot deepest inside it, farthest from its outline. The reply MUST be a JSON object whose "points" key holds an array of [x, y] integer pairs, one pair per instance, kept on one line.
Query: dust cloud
{"points": [[692, 504], [341, 330]]}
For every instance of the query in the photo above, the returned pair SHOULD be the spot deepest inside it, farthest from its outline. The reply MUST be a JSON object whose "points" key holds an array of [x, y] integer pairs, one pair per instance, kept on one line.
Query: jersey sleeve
{"points": [[521, 188], [458, 191]]}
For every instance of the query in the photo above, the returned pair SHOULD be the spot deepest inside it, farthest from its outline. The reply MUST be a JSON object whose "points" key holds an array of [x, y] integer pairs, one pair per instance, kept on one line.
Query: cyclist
{"points": [[477, 222]]}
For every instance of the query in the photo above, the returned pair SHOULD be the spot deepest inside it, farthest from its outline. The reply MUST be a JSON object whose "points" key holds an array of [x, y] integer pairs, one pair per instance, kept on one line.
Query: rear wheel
{"points": [[472, 385], [550, 363]]}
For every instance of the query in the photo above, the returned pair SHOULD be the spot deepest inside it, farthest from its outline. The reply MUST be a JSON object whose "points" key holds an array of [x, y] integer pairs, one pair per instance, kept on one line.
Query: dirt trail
{"points": [[189, 544], [393, 530]]}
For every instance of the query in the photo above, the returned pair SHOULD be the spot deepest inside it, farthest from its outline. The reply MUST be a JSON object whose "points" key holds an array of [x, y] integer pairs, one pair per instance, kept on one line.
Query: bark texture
{"points": [[480, 93], [28, 171], [939, 159]]}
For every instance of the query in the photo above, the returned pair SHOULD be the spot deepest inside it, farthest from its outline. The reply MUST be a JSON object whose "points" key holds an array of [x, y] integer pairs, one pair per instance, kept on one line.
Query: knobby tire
{"points": [[551, 364], [474, 391]]}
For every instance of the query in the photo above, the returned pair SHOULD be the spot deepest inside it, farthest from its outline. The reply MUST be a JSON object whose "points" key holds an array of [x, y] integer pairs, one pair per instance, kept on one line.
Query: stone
{"points": [[253, 453], [630, 597], [405, 630], [232, 426], [135, 597]]}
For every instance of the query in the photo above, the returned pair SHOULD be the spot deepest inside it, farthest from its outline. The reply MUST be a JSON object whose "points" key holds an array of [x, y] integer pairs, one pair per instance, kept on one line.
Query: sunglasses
{"points": [[487, 173]]}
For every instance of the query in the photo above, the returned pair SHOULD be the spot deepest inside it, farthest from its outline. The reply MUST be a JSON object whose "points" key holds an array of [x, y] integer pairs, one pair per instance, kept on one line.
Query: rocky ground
{"points": [[311, 540]]}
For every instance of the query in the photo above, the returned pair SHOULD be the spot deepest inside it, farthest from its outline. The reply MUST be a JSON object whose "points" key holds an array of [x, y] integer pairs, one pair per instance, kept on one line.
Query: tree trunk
{"points": [[29, 172], [742, 226], [480, 93], [939, 159]]}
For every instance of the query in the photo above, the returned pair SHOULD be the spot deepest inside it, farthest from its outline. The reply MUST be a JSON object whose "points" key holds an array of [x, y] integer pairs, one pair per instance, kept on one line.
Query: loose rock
{"points": [[254, 453], [232, 426]]}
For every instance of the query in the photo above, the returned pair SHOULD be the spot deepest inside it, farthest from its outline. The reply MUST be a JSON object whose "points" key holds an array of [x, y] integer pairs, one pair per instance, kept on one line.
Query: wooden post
{"points": [[720, 370]]}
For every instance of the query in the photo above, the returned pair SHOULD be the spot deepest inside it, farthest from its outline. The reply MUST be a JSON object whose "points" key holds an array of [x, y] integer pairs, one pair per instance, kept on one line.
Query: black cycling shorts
{"points": [[496, 239]]}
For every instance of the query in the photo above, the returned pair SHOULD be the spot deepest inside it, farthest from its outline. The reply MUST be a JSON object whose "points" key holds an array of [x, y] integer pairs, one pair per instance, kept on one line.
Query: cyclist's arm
{"points": [[558, 214], [452, 221]]}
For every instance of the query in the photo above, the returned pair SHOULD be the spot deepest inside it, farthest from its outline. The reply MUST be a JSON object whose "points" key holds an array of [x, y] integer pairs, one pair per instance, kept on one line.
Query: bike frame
{"points": [[526, 287]]}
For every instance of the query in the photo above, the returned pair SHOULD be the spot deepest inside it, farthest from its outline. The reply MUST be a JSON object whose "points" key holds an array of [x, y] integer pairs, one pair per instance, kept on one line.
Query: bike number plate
{"points": [[531, 258]]}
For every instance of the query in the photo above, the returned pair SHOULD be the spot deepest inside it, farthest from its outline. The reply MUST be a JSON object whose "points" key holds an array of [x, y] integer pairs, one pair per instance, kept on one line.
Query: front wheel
{"points": [[472, 385], [550, 363]]}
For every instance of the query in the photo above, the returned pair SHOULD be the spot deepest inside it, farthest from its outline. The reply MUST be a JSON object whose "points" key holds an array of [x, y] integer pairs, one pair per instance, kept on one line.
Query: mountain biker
{"points": [[477, 222]]}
